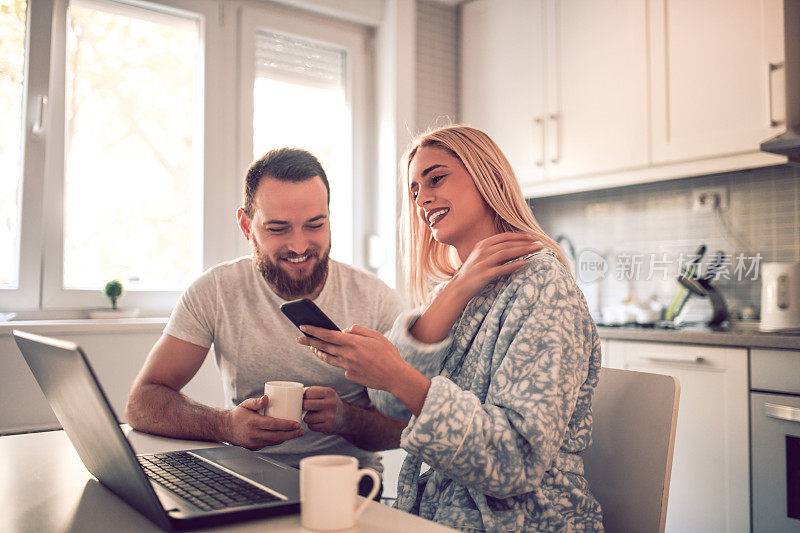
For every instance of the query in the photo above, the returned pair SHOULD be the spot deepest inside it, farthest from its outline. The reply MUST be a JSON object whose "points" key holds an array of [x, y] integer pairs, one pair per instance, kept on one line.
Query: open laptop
{"points": [[175, 490]]}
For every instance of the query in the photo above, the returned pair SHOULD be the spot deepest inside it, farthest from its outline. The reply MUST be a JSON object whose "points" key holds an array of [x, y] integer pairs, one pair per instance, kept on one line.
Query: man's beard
{"points": [[285, 285]]}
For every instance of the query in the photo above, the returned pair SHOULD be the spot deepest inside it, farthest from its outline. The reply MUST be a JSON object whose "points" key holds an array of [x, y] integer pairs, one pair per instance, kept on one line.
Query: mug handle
{"points": [[303, 413], [376, 483]]}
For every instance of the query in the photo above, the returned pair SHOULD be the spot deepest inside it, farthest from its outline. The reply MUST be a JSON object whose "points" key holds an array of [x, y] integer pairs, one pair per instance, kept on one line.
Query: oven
{"points": [[775, 440]]}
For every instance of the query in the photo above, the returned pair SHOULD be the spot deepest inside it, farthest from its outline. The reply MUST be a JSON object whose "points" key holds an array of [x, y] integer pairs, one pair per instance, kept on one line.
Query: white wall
{"points": [[116, 353]]}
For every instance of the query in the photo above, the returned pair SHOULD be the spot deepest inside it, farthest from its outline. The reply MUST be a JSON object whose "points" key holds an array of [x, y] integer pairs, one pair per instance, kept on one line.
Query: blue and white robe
{"points": [[508, 410]]}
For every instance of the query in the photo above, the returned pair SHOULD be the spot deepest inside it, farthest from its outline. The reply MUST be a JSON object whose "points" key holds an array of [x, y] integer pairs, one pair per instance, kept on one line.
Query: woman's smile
{"points": [[436, 215]]}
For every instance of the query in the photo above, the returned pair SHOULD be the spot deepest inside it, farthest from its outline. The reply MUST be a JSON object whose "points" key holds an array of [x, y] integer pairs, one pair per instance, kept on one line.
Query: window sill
{"points": [[85, 325]]}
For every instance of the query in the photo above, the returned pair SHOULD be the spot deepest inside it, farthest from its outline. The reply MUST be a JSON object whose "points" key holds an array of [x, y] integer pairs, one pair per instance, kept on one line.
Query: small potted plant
{"points": [[113, 290]]}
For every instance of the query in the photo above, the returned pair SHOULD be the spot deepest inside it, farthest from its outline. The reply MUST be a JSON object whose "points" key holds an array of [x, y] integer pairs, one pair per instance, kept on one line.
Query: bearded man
{"points": [[235, 306]]}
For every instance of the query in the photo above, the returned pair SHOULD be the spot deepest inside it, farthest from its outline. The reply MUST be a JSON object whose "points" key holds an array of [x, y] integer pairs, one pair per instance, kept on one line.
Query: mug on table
{"points": [[328, 490]]}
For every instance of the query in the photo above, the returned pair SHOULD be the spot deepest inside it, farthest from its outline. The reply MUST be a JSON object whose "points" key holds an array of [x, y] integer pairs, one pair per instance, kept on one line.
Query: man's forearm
{"points": [[369, 429], [160, 410]]}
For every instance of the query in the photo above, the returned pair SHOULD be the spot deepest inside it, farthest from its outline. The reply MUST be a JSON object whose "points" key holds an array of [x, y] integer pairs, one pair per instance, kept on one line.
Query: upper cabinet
{"points": [[596, 86], [718, 85], [560, 86], [588, 94], [502, 78]]}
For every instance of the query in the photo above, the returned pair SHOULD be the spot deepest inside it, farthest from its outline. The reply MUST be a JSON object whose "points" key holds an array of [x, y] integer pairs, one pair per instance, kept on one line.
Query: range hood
{"points": [[788, 143]]}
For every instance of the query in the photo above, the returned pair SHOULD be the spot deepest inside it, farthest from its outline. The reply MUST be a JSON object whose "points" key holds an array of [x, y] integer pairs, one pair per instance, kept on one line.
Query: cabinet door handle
{"points": [[772, 68], [539, 125], [688, 359], [782, 412], [556, 120], [41, 113]]}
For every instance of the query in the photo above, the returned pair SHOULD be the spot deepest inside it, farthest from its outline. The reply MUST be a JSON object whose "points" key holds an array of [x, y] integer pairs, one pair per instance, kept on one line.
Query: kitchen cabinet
{"points": [[560, 86], [604, 361], [585, 95], [502, 73], [709, 486], [596, 87], [717, 84]]}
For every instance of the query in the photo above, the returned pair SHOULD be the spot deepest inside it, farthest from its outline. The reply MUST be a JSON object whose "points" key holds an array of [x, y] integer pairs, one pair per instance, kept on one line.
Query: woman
{"points": [[499, 369]]}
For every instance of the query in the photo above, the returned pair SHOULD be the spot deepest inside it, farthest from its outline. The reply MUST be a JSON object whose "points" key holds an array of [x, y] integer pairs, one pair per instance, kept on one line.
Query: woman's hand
{"points": [[366, 356], [369, 359], [488, 260]]}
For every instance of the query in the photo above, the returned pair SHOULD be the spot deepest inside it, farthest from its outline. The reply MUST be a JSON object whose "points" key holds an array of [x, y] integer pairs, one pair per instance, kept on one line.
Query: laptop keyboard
{"points": [[201, 483]]}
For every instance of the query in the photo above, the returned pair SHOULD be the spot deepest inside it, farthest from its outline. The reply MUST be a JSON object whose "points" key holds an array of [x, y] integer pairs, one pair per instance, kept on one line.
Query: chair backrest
{"points": [[629, 462]]}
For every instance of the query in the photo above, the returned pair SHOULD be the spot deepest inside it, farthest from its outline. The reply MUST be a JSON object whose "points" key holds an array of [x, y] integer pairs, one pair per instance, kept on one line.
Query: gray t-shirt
{"points": [[232, 307]]}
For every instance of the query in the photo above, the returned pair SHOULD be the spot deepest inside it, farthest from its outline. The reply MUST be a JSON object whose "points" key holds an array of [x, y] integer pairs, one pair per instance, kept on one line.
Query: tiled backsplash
{"points": [[654, 225]]}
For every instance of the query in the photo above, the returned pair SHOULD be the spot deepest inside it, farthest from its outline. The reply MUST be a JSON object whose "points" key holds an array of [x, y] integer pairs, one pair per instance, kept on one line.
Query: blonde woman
{"points": [[496, 373]]}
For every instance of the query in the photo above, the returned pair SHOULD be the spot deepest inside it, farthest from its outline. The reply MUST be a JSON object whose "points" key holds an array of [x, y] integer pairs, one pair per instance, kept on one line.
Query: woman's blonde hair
{"points": [[430, 261]]}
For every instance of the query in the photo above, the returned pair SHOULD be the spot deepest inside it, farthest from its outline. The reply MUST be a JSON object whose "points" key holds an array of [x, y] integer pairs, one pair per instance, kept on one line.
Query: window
{"points": [[12, 62], [129, 125], [304, 85], [299, 100], [133, 168]]}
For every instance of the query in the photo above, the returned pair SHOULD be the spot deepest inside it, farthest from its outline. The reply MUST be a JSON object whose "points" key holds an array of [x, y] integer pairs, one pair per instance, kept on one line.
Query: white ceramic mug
{"points": [[285, 400], [328, 490]]}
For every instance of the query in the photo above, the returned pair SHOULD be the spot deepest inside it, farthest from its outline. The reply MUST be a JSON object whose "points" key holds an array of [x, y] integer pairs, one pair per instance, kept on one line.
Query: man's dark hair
{"points": [[284, 164]]}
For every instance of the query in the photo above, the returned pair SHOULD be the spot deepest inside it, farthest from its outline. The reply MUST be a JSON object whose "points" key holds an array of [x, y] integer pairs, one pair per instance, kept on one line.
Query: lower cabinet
{"points": [[710, 482]]}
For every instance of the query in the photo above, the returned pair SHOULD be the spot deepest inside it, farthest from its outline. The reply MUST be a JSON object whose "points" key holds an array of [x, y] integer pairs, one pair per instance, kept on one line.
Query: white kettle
{"points": [[780, 296]]}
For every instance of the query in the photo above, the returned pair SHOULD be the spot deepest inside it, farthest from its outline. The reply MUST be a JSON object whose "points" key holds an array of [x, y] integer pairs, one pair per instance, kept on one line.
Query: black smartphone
{"points": [[305, 312]]}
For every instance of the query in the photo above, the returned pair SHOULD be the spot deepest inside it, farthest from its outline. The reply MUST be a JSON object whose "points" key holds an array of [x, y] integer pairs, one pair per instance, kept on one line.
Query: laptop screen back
{"points": [[81, 406]]}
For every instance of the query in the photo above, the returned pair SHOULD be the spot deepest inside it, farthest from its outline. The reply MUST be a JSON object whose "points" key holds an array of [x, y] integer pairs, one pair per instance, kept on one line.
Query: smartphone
{"points": [[305, 312]]}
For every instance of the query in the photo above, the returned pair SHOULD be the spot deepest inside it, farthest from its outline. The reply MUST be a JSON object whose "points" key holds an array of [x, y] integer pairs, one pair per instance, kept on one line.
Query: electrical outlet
{"points": [[707, 200]]}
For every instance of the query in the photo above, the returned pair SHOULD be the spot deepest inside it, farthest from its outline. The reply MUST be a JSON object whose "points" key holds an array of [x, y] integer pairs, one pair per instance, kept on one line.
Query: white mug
{"points": [[328, 490], [285, 400]]}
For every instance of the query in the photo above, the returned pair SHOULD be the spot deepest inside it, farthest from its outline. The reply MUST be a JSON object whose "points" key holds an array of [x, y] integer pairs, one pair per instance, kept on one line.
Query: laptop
{"points": [[175, 490]]}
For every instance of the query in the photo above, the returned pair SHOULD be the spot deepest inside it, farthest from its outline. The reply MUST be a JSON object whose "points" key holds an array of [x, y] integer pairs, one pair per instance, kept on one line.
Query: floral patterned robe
{"points": [[508, 410]]}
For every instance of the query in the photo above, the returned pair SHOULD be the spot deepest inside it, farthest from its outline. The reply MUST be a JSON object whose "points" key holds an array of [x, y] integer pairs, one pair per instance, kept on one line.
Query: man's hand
{"points": [[326, 411], [365, 427], [247, 428]]}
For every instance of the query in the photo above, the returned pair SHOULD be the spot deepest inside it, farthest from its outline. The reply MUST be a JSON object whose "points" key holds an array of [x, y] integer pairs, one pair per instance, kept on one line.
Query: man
{"points": [[235, 307]]}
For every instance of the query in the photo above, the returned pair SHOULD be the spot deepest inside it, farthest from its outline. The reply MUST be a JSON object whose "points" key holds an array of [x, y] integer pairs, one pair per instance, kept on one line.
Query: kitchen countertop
{"points": [[744, 337]]}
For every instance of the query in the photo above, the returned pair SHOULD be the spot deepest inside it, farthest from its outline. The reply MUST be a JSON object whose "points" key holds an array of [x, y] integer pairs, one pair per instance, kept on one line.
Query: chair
{"points": [[629, 462]]}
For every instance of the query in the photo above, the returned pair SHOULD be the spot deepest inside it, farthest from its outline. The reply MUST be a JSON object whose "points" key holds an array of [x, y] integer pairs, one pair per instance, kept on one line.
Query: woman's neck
{"points": [[476, 235]]}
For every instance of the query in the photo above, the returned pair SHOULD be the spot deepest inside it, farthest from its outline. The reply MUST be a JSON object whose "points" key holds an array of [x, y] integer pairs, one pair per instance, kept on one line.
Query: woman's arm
{"points": [[489, 259]]}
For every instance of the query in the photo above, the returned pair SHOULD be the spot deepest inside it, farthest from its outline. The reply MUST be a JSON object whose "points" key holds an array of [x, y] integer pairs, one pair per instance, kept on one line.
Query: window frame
{"points": [[35, 90]]}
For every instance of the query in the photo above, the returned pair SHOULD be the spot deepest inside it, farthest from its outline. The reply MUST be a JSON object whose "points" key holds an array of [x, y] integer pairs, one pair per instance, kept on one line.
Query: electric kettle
{"points": [[780, 296]]}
